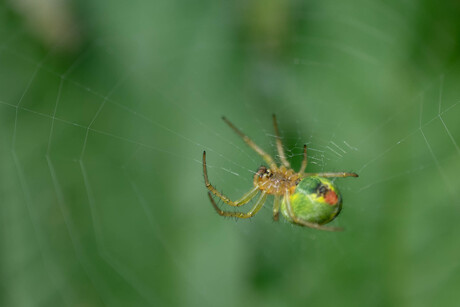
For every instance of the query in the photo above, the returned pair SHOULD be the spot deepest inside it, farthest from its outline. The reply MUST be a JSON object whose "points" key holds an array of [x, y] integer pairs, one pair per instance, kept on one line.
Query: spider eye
{"points": [[261, 171]]}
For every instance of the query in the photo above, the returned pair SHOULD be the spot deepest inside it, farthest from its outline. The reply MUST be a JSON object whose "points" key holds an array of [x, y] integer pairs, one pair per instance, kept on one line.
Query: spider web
{"points": [[104, 201]]}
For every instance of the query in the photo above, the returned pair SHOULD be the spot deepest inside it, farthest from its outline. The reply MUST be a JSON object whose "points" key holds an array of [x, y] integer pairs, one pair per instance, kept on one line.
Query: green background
{"points": [[106, 107]]}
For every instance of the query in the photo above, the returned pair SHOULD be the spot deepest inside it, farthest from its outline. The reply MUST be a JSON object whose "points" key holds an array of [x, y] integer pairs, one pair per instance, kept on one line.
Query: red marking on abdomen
{"points": [[331, 198]]}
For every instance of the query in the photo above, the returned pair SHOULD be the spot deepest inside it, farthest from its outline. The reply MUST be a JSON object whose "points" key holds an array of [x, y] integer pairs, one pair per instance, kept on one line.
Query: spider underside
{"points": [[279, 181]]}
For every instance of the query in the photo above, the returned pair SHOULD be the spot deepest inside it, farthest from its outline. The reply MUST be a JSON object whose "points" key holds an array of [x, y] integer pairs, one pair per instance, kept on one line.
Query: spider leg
{"points": [[243, 200], [279, 144], [302, 222], [304, 161], [340, 175], [276, 208], [257, 206], [253, 145]]}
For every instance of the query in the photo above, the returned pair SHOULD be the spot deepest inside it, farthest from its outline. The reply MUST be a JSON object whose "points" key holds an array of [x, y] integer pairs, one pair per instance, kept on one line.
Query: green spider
{"points": [[308, 199]]}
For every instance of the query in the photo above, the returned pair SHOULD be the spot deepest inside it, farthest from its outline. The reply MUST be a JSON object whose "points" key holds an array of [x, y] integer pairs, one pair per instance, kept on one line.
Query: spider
{"points": [[305, 199]]}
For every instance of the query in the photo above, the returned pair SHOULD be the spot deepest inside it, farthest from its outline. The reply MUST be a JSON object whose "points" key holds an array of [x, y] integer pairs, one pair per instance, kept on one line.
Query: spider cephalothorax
{"points": [[276, 182], [306, 199]]}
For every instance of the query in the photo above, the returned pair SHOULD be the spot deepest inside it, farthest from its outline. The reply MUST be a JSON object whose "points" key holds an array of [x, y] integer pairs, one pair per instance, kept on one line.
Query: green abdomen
{"points": [[315, 200]]}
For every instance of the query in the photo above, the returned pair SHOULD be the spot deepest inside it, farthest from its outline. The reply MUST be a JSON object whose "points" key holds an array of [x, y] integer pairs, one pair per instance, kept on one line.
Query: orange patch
{"points": [[331, 198]]}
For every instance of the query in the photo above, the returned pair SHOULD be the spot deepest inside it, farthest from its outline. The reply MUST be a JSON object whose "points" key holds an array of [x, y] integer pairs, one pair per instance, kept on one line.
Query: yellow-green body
{"points": [[315, 200]]}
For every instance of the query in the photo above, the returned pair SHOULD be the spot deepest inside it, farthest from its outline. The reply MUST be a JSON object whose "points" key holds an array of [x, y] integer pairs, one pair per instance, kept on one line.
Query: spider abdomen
{"points": [[314, 200]]}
